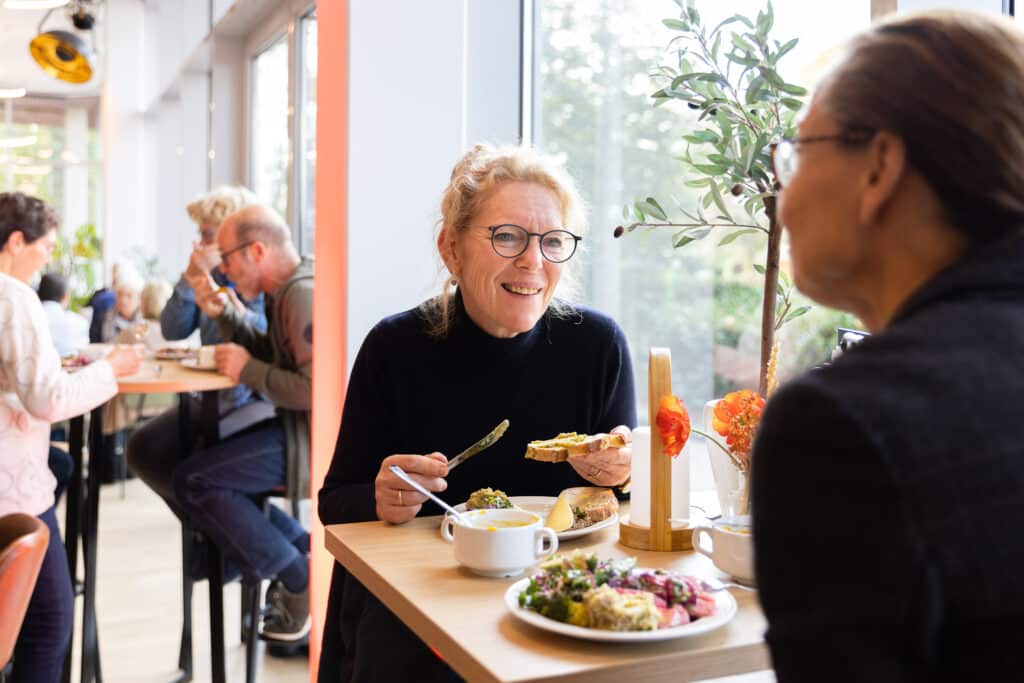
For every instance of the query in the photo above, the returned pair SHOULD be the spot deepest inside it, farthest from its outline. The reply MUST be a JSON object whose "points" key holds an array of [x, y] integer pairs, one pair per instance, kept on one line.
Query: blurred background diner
{"points": [[144, 124]]}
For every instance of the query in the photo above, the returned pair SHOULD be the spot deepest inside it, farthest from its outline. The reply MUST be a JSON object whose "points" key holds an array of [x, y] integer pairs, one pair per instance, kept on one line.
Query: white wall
{"points": [[421, 90], [183, 69], [125, 190], [230, 111]]}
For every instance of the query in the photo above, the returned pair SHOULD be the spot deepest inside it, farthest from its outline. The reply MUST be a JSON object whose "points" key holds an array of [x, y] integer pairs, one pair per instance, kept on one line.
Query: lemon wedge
{"points": [[560, 517]]}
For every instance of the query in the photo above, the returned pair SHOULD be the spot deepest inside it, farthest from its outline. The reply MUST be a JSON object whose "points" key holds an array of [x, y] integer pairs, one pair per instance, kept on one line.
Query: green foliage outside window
{"points": [[592, 104], [79, 260]]}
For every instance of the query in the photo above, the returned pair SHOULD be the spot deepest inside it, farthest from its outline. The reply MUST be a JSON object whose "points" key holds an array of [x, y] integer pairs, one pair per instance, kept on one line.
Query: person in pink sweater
{"points": [[34, 392]]}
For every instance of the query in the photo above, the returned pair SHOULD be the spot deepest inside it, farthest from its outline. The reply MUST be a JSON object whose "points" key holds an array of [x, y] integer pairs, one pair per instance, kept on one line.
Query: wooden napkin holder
{"points": [[660, 535]]}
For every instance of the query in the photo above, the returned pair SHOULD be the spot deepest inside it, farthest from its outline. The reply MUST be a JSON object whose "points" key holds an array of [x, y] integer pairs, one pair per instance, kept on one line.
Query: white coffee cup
{"points": [[204, 358], [731, 550], [499, 542]]}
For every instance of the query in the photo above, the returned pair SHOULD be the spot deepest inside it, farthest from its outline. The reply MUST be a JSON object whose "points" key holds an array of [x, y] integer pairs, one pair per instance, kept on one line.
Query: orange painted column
{"points": [[330, 289]]}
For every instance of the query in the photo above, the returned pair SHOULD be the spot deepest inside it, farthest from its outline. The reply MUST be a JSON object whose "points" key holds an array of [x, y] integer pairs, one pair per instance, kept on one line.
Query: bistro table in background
{"points": [[153, 377], [413, 571]]}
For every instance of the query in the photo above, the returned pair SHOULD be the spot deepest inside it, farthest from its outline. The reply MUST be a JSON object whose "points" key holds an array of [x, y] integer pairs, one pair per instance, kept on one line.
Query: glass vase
{"points": [[736, 510]]}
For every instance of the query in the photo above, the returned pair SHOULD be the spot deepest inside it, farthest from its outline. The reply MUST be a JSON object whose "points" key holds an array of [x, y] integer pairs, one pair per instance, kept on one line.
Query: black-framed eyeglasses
{"points": [[510, 240], [224, 254], [786, 157]]}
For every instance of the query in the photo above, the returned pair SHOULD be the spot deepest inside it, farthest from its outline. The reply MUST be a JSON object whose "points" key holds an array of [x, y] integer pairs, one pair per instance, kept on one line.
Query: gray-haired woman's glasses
{"points": [[786, 155], [510, 241]]}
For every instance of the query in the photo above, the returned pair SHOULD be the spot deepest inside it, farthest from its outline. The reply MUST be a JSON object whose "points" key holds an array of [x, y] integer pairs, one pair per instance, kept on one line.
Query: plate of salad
{"points": [[582, 596]]}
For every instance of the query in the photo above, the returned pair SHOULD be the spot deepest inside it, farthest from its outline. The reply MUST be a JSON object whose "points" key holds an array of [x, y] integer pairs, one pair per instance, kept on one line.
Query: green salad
{"points": [[614, 595]]}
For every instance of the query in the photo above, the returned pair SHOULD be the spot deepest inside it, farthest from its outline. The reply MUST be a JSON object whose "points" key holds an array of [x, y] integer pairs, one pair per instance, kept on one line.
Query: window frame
{"points": [[301, 230], [250, 146], [284, 24]]}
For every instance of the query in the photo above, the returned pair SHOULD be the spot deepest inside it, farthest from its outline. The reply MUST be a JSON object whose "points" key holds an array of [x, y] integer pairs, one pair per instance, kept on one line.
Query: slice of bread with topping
{"points": [[568, 444], [582, 506]]}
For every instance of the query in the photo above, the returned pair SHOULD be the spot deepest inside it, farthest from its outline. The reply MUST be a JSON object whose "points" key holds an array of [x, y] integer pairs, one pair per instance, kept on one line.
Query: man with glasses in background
{"points": [[153, 450], [218, 486]]}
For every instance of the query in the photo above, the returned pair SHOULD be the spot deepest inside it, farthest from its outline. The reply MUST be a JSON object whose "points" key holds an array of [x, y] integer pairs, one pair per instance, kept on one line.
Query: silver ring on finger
{"points": [[400, 502]]}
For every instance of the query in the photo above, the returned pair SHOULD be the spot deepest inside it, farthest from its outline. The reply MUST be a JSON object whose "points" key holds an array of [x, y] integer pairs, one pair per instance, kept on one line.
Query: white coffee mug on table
{"points": [[731, 549], [204, 358]]}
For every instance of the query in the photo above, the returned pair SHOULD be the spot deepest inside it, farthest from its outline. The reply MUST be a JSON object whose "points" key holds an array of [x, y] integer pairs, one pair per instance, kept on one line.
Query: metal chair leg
{"points": [[252, 595]]}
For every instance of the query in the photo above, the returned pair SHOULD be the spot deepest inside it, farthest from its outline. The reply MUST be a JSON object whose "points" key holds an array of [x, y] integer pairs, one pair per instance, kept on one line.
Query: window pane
{"points": [[62, 167], [307, 133], [593, 60], [269, 143]]}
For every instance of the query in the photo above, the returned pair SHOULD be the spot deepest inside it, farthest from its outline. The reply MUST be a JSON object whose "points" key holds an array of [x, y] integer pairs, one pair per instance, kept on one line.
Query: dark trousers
{"points": [[46, 632], [62, 467], [155, 454], [219, 486], [364, 642]]}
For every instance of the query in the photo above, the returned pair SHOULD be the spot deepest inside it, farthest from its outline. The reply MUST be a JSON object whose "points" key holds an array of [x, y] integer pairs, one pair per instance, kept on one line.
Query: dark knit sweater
{"points": [[410, 393], [889, 493]]}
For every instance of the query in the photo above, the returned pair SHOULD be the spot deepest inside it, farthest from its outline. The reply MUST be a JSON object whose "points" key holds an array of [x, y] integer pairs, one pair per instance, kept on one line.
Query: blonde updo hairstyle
{"points": [[474, 179], [219, 203]]}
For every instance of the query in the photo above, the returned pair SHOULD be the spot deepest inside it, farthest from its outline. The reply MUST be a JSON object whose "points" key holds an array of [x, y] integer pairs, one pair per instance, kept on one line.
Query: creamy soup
{"points": [[492, 524]]}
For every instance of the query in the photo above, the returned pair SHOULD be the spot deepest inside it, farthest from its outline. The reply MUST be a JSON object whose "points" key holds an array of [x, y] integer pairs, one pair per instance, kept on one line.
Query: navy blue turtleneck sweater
{"points": [[410, 393]]}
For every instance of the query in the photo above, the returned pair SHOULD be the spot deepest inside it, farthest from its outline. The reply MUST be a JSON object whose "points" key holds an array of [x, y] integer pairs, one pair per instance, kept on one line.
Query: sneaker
{"points": [[287, 614]]}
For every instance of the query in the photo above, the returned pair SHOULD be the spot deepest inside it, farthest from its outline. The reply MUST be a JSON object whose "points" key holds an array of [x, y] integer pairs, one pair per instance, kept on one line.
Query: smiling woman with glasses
{"points": [[888, 492], [498, 342]]}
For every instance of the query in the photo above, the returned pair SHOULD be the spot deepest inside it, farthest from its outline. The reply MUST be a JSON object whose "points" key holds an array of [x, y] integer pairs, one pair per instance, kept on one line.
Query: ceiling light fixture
{"points": [[62, 54], [34, 4], [11, 93]]}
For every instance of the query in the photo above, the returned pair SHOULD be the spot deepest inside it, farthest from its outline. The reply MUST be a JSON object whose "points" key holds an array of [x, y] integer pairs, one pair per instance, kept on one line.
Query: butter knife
{"points": [[480, 445]]}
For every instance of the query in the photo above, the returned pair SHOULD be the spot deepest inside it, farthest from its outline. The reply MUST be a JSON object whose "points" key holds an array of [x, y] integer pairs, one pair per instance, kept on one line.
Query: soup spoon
{"points": [[400, 473]]}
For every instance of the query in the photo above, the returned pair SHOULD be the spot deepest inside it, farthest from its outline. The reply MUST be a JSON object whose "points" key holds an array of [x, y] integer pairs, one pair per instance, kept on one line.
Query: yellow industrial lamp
{"points": [[62, 54]]}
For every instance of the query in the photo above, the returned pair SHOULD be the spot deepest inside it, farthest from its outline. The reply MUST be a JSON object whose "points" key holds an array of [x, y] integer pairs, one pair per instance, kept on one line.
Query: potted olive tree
{"points": [[729, 74]]}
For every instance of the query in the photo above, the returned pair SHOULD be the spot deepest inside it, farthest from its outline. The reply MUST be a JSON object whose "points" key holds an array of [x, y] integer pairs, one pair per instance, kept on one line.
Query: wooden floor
{"points": [[138, 600]]}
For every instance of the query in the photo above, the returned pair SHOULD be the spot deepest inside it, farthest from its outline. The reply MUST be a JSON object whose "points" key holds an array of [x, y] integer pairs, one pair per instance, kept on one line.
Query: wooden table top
{"points": [[412, 570], [170, 376]]}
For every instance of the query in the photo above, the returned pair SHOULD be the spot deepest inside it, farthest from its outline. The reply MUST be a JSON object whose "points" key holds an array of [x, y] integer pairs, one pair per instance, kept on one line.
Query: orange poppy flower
{"points": [[736, 417], [673, 424]]}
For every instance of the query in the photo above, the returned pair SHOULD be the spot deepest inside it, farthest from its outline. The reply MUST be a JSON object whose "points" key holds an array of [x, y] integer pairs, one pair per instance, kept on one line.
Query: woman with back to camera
{"points": [[889, 487], [34, 392], [428, 382]]}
